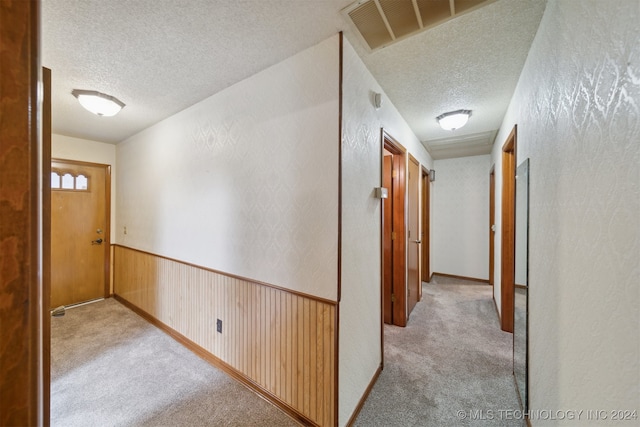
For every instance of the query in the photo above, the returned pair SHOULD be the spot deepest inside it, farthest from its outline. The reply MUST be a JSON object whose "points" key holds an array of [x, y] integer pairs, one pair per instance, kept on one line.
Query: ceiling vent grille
{"points": [[384, 22]]}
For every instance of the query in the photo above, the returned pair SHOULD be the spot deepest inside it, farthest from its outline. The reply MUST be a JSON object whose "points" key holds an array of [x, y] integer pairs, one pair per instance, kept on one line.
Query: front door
{"points": [[79, 232]]}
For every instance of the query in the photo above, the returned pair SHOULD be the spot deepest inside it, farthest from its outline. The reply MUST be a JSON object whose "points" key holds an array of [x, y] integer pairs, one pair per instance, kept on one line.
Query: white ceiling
{"points": [[161, 56]]}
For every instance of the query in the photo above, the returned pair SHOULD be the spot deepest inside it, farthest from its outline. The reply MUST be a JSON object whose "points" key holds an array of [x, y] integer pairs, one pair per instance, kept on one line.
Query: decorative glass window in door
{"points": [[61, 180]]}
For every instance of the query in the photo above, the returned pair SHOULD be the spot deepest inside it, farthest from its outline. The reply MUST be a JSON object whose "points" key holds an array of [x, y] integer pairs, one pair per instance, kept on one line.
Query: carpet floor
{"points": [[450, 366], [110, 367]]}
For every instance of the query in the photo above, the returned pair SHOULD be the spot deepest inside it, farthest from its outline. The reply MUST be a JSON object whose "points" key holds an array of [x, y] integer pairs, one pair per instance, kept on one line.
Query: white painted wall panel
{"points": [[360, 309], [69, 148], [461, 216], [577, 106], [246, 181]]}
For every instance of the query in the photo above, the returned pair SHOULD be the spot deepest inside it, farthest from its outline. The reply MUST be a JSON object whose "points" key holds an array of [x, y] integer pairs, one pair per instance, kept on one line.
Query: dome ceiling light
{"points": [[453, 119], [98, 103]]}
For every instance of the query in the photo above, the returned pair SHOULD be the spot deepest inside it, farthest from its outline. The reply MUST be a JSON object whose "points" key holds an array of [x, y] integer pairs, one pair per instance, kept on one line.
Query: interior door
{"points": [[387, 209], [394, 284], [79, 232], [426, 210], [413, 236]]}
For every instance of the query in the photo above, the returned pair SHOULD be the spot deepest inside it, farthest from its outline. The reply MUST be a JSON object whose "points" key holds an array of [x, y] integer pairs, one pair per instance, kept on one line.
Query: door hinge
{"points": [[393, 235], [393, 298]]}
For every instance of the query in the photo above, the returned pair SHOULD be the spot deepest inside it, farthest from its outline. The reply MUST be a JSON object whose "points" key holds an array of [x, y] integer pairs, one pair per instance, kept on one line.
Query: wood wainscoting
{"points": [[280, 343]]}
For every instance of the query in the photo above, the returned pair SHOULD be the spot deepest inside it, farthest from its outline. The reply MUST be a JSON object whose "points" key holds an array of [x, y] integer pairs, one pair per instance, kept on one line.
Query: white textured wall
{"points": [[246, 181], [460, 226], [577, 106], [69, 148], [360, 310]]}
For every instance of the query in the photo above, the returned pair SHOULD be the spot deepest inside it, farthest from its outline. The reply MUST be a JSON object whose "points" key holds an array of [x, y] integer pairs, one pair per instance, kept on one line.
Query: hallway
{"points": [[451, 357], [451, 365]]}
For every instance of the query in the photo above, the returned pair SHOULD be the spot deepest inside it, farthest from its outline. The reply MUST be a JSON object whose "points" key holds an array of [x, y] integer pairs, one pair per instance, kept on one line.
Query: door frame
{"points": [[508, 249], [24, 150], [399, 264], [107, 207], [492, 221], [417, 240], [426, 230]]}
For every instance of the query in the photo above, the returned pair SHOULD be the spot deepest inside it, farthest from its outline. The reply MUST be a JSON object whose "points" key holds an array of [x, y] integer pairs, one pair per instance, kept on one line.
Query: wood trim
{"points": [[364, 397], [507, 262], [46, 246], [282, 343], [455, 276], [107, 232], [340, 79], [21, 352], [431, 277], [492, 220], [79, 162], [426, 225], [336, 342], [229, 275], [381, 251]]}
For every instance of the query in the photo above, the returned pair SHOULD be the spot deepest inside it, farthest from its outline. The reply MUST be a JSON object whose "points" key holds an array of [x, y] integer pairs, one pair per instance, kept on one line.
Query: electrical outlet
{"points": [[219, 325]]}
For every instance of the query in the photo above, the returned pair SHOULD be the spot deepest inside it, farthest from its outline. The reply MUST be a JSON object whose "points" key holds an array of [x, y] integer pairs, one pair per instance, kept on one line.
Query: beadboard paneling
{"points": [[282, 342]]}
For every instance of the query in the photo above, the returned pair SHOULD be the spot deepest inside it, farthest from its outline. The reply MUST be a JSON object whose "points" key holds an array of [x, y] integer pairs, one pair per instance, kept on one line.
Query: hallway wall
{"points": [[577, 107], [460, 228], [360, 304], [246, 181]]}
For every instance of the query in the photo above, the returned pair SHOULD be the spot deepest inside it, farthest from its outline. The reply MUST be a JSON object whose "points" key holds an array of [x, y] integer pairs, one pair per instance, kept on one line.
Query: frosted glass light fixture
{"points": [[98, 103], [453, 119]]}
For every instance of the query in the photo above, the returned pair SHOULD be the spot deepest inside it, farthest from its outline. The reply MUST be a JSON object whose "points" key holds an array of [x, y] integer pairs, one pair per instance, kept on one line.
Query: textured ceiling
{"points": [[161, 56]]}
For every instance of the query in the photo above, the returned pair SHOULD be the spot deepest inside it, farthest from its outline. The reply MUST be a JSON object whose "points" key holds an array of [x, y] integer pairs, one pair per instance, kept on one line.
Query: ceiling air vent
{"points": [[384, 22]]}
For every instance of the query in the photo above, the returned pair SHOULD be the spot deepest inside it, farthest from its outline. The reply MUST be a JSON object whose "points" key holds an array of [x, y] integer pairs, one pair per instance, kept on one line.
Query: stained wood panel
{"points": [[508, 246], [22, 392], [281, 342]]}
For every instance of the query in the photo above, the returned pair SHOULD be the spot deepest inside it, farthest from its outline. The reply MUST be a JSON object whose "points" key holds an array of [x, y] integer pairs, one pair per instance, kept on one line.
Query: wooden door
{"points": [[79, 232], [394, 285], [508, 243], [413, 236], [387, 243], [426, 210]]}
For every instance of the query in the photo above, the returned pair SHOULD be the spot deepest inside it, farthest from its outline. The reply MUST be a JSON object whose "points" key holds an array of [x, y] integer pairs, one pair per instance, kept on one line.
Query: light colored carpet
{"points": [[110, 367], [451, 357]]}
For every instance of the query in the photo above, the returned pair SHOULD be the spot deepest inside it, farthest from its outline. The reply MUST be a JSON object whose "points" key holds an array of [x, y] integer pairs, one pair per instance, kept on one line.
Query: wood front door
{"points": [[79, 232], [413, 236]]}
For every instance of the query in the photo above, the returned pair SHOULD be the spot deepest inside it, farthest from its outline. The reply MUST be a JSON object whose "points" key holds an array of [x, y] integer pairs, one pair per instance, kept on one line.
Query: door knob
{"points": [[417, 241], [96, 242]]}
